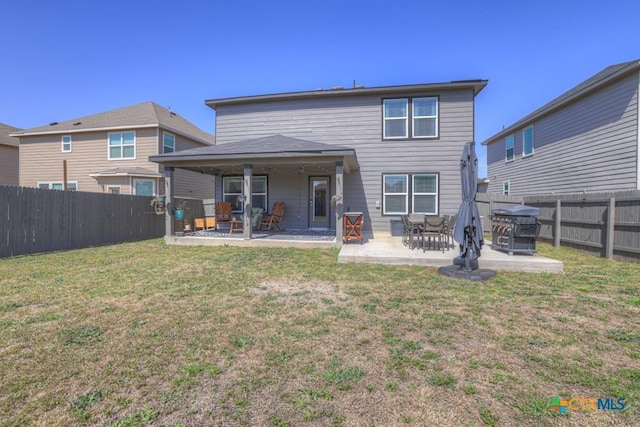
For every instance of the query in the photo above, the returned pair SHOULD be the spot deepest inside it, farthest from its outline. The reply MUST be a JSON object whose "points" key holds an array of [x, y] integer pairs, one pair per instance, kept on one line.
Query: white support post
{"points": [[339, 202], [248, 177], [168, 193]]}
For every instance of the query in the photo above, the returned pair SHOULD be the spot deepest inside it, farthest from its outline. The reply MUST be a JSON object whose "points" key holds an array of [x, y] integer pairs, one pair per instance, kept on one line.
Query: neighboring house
{"points": [[108, 152], [585, 140], [383, 151], [9, 156]]}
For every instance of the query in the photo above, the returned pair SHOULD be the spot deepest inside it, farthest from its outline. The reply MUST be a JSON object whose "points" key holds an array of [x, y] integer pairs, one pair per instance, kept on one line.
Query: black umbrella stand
{"points": [[468, 228]]}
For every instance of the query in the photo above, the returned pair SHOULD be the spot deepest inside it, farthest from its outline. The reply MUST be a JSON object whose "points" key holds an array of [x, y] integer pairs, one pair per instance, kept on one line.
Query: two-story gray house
{"points": [[382, 151], [586, 140]]}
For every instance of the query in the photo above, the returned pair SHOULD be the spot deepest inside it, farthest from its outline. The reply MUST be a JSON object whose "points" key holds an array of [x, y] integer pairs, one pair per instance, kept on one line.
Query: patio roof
{"points": [[270, 150]]}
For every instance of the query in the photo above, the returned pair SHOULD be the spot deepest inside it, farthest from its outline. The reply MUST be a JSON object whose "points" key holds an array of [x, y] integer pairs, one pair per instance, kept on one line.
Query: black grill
{"points": [[514, 229]]}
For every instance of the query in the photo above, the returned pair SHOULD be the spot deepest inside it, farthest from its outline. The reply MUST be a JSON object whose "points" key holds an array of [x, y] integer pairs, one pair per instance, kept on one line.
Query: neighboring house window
{"points": [[232, 187], [122, 145], [168, 143], [510, 148], [417, 117], [506, 188], [71, 186], [66, 144], [144, 187], [425, 194], [113, 190], [527, 141]]}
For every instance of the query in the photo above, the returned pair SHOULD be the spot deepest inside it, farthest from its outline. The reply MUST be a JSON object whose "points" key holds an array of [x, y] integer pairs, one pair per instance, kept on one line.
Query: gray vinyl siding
{"points": [[589, 145], [356, 122], [188, 184]]}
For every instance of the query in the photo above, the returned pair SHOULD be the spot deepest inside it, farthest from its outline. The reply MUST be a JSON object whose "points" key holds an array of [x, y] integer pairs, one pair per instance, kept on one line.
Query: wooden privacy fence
{"points": [[35, 221], [607, 224]]}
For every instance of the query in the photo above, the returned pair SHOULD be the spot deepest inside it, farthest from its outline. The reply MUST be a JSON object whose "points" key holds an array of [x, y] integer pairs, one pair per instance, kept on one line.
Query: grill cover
{"points": [[516, 210]]}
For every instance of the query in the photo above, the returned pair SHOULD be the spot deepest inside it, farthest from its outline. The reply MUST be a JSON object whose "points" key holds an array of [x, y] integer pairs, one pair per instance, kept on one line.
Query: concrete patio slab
{"points": [[390, 250]]}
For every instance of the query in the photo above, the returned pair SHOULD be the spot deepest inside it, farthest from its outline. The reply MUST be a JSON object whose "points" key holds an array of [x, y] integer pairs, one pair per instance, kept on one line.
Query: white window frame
{"points": [[414, 193], [66, 143], [114, 187], [524, 141], [405, 118], [50, 185], [122, 145], [133, 185], [265, 194], [414, 117], [172, 146], [510, 138], [506, 188], [385, 194], [253, 193]]}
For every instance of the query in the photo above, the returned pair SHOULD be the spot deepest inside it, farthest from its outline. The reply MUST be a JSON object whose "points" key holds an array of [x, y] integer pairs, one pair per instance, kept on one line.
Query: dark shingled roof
{"points": [[274, 144], [590, 85], [146, 114], [269, 147], [5, 139]]}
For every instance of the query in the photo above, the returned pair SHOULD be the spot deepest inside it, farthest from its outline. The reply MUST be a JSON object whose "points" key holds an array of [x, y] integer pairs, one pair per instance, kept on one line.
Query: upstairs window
{"points": [[396, 118], [122, 145], [405, 118], [510, 148], [425, 117], [66, 144], [527, 141], [168, 143]]}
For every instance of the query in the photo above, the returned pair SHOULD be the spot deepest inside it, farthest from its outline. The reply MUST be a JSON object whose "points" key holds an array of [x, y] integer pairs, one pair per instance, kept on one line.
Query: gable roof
{"points": [[588, 86], [143, 115], [5, 138], [475, 85], [261, 149]]}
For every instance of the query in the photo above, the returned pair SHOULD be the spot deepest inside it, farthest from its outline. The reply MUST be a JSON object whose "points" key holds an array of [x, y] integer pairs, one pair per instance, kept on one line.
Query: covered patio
{"points": [[307, 176]]}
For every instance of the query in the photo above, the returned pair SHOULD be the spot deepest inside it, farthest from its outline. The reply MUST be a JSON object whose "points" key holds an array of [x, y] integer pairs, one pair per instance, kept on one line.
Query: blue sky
{"points": [[67, 59]]}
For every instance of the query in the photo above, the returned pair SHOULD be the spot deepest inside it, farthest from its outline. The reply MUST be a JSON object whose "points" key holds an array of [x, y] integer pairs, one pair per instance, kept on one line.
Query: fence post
{"points": [[557, 232], [611, 225]]}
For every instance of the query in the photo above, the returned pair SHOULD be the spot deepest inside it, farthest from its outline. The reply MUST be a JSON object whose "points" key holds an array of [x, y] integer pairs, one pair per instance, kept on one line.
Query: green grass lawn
{"points": [[149, 334]]}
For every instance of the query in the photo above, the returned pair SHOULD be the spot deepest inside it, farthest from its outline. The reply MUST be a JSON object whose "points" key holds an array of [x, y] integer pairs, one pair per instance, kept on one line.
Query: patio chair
{"points": [[433, 228], [223, 211], [410, 232], [449, 224], [273, 218]]}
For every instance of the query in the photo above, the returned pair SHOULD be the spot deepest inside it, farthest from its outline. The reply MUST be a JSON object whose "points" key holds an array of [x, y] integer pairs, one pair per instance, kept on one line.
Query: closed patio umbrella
{"points": [[468, 228]]}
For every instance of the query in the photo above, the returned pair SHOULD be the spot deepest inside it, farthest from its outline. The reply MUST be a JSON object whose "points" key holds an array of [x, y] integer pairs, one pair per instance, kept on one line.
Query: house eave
{"points": [[475, 85]]}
